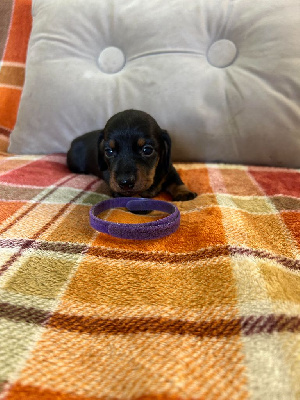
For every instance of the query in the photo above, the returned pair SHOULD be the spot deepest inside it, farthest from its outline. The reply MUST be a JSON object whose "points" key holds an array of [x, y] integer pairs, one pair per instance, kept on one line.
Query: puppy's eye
{"points": [[147, 150], [109, 152]]}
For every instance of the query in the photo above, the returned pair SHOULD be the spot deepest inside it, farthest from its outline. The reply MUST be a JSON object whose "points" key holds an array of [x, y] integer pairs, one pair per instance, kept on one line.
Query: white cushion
{"points": [[221, 76]]}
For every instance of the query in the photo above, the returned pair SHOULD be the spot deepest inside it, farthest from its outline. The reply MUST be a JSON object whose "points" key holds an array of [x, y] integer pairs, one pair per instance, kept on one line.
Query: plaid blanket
{"points": [[15, 28], [210, 312]]}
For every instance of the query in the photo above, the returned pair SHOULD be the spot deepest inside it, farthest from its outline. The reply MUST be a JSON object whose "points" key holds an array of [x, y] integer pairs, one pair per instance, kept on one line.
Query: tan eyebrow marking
{"points": [[112, 144], [141, 142]]}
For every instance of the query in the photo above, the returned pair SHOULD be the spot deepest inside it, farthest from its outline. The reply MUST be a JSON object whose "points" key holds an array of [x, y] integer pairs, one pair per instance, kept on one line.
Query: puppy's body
{"points": [[132, 154]]}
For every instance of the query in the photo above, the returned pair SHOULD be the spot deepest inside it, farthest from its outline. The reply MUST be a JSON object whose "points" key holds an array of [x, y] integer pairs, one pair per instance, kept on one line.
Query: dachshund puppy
{"points": [[132, 154]]}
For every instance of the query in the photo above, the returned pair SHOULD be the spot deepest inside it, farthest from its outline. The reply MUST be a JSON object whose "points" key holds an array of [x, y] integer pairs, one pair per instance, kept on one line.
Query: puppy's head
{"points": [[134, 153]]}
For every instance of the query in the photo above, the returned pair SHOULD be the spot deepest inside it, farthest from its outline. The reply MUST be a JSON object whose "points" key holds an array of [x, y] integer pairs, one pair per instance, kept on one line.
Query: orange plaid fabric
{"points": [[15, 27], [210, 312]]}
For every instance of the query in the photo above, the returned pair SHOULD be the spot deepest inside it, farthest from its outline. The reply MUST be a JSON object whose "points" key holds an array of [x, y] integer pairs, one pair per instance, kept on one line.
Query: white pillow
{"points": [[221, 76]]}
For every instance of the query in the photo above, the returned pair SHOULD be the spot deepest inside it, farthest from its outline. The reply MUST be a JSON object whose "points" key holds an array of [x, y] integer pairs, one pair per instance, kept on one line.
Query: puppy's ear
{"points": [[101, 157], [166, 153]]}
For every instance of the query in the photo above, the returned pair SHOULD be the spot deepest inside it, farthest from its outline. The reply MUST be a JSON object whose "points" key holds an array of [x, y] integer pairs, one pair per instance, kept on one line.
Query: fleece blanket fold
{"points": [[209, 312]]}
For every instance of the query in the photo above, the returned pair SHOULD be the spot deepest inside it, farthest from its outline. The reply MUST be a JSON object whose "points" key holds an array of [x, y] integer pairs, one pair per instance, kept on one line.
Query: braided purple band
{"points": [[149, 230]]}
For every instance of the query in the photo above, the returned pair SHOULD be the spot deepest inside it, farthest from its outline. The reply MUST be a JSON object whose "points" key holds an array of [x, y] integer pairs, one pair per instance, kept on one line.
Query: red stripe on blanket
{"points": [[277, 182], [37, 173]]}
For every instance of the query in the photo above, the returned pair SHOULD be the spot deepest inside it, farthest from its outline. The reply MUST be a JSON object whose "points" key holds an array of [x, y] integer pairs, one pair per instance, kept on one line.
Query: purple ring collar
{"points": [[149, 230]]}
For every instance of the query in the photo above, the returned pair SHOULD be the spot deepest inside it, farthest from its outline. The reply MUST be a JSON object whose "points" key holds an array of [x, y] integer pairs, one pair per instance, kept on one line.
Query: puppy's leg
{"points": [[84, 154], [177, 188]]}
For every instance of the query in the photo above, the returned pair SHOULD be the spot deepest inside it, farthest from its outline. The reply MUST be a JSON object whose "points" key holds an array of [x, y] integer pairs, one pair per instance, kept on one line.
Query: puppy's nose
{"points": [[127, 183]]}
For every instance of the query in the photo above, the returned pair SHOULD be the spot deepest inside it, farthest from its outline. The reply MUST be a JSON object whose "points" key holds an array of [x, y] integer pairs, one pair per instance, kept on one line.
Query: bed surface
{"points": [[210, 312]]}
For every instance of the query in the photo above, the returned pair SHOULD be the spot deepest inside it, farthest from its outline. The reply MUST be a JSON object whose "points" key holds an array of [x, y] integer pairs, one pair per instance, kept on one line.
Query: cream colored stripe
{"points": [[29, 301], [24, 157], [230, 206], [291, 349], [191, 166], [7, 86], [268, 371], [12, 64], [250, 286], [20, 339], [257, 205]]}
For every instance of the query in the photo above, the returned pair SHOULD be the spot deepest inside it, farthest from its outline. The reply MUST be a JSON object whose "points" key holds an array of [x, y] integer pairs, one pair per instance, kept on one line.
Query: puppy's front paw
{"points": [[181, 193], [185, 195]]}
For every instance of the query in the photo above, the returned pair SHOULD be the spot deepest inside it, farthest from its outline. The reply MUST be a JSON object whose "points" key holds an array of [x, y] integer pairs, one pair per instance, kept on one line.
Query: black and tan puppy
{"points": [[132, 154]]}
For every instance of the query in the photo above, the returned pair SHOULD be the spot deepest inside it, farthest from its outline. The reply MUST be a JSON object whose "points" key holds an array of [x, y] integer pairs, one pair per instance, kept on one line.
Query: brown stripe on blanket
{"points": [[29, 315], [208, 253], [26, 244], [285, 261], [221, 251], [285, 203], [65, 247], [160, 257], [12, 243], [134, 325], [12, 75], [214, 328], [4, 131], [123, 326], [269, 324], [6, 8], [249, 325]]}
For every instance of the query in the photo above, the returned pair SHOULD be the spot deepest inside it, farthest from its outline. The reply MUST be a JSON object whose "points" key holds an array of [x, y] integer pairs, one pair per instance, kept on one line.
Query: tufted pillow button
{"points": [[222, 53], [111, 60]]}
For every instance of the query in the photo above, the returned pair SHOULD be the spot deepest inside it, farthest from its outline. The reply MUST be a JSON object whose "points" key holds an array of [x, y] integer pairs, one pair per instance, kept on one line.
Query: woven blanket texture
{"points": [[210, 312], [15, 28]]}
